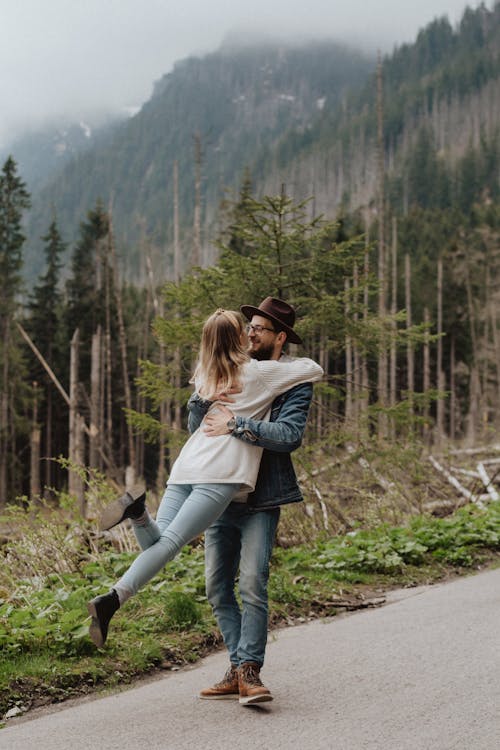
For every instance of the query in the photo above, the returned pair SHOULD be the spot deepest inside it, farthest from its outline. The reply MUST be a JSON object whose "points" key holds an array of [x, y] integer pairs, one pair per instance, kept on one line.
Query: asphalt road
{"points": [[420, 673]]}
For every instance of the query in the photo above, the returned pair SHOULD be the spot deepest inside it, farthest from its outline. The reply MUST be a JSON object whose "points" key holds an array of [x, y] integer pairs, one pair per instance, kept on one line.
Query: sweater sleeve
{"points": [[280, 376]]}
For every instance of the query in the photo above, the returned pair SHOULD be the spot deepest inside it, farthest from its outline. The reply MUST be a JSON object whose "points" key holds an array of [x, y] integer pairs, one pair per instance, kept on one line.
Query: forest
{"points": [[396, 295], [364, 192]]}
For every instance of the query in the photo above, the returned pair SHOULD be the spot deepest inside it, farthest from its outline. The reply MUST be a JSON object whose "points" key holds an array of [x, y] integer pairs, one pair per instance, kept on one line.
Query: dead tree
{"points": [[453, 395], [439, 364], [355, 349], [409, 346], [177, 277], [122, 338], [382, 355], [348, 359], [177, 249], [394, 325], [197, 201], [35, 449], [365, 384], [4, 413], [76, 447], [427, 372], [74, 424], [95, 398]]}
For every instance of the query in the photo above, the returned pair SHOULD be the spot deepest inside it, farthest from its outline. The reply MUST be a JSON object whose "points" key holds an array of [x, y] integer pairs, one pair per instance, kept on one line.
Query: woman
{"points": [[210, 471]]}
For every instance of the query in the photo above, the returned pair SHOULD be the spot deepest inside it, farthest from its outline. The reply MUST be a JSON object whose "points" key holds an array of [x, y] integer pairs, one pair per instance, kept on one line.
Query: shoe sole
{"points": [[114, 513], [251, 699], [95, 632], [226, 697]]}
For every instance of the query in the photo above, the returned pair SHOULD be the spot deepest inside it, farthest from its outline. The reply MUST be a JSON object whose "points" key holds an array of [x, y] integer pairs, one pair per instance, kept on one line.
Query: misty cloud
{"points": [[86, 59]]}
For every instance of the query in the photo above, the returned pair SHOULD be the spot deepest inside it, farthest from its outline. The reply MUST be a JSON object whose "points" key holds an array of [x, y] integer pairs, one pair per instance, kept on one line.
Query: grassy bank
{"points": [[46, 655]]}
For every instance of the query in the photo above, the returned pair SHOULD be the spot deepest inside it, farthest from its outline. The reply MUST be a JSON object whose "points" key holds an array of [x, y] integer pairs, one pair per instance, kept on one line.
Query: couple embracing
{"points": [[247, 414]]}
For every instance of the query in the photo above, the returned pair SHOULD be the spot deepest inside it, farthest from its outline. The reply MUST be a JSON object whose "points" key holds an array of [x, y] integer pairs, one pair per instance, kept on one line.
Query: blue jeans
{"points": [[241, 539], [185, 512]]}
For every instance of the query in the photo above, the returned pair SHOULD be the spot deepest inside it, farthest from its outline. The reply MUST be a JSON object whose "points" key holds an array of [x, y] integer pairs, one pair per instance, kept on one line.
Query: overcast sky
{"points": [[79, 57]]}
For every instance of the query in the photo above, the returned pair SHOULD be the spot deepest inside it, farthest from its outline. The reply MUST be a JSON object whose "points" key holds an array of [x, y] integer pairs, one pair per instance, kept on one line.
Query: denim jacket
{"points": [[277, 483]]}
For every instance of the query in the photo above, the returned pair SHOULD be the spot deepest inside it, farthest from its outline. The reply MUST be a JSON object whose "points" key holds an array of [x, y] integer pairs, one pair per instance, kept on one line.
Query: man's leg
{"points": [[258, 533], [222, 557], [222, 554], [257, 540]]}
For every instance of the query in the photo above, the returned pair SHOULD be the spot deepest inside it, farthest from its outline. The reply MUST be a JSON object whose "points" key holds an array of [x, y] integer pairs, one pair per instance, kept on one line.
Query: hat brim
{"points": [[249, 311]]}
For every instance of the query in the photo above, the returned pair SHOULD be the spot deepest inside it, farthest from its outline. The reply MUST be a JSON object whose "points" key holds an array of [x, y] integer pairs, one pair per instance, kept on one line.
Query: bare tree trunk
{"points": [[108, 368], [496, 348], [122, 337], [427, 373], [73, 379], [475, 396], [48, 441], [355, 351], [365, 384], [177, 252], [394, 309], [474, 401], [140, 399], [382, 356], [4, 414], [394, 325], [35, 451], [440, 373], [75, 484], [453, 395], [177, 424], [320, 401], [95, 398], [80, 461], [409, 347], [348, 359], [165, 422], [197, 201]]}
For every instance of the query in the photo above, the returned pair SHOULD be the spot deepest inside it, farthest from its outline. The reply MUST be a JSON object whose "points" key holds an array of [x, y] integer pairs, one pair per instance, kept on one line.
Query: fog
{"points": [[88, 58]]}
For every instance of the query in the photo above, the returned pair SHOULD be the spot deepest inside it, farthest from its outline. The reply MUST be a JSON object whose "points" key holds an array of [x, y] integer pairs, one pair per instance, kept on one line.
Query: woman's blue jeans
{"points": [[184, 513], [241, 539]]}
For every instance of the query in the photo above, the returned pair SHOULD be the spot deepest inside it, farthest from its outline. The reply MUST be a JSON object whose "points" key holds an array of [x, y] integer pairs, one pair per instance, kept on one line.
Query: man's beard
{"points": [[262, 353]]}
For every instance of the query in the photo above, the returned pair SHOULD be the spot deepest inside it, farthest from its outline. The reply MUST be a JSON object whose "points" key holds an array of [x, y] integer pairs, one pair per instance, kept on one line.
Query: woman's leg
{"points": [[198, 506], [147, 531]]}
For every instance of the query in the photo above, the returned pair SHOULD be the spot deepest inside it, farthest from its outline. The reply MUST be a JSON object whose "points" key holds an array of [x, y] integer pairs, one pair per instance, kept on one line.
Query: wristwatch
{"points": [[231, 424]]}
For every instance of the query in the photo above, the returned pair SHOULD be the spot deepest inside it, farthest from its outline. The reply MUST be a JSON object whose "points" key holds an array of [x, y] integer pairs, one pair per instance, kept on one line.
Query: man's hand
{"points": [[215, 422]]}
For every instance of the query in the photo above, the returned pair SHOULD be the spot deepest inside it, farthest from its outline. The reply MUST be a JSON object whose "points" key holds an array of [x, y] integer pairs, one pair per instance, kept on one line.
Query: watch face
{"points": [[231, 424]]}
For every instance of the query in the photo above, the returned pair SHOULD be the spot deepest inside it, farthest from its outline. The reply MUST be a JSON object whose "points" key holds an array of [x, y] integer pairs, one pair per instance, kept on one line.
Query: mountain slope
{"points": [[239, 101], [302, 116], [447, 84]]}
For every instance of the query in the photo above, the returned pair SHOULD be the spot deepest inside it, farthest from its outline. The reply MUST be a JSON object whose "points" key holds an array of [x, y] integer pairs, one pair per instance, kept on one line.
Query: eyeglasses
{"points": [[258, 329]]}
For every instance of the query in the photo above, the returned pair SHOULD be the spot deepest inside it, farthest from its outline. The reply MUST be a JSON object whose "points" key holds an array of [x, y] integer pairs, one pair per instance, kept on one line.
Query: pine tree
{"points": [[44, 326], [14, 200], [86, 286]]}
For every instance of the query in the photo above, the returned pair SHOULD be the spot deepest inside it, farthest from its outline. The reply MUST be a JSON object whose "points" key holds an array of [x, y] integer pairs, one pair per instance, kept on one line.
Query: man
{"points": [[243, 537]]}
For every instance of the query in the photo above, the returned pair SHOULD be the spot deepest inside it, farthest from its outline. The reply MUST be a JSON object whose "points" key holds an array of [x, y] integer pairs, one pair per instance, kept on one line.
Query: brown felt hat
{"points": [[279, 312]]}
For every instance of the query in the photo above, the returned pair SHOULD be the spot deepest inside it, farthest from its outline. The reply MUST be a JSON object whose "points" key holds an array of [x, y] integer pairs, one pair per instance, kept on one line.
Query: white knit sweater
{"points": [[224, 460]]}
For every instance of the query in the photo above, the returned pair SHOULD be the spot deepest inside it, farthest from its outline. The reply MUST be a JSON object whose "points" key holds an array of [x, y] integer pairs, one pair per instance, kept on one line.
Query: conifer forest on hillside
{"points": [[365, 192]]}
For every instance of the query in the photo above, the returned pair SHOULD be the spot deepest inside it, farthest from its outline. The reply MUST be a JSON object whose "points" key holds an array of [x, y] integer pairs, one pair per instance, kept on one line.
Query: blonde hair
{"points": [[222, 353]]}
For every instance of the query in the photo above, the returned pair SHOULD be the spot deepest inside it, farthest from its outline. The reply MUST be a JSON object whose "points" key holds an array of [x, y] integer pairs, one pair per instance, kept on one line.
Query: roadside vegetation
{"points": [[52, 563]]}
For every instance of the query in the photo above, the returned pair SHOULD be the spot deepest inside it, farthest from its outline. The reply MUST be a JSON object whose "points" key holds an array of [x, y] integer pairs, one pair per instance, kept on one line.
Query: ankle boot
{"points": [[251, 688], [130, 505], [102, 609], [228, 687]]}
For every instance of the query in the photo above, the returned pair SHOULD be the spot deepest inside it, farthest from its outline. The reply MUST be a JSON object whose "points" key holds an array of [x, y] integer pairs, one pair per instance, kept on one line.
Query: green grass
{"points": [[47, 656]]}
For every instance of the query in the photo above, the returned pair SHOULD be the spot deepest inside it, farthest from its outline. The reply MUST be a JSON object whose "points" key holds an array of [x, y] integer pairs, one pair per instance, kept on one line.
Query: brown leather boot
{"points": [[251, 688], [227, 688]]}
